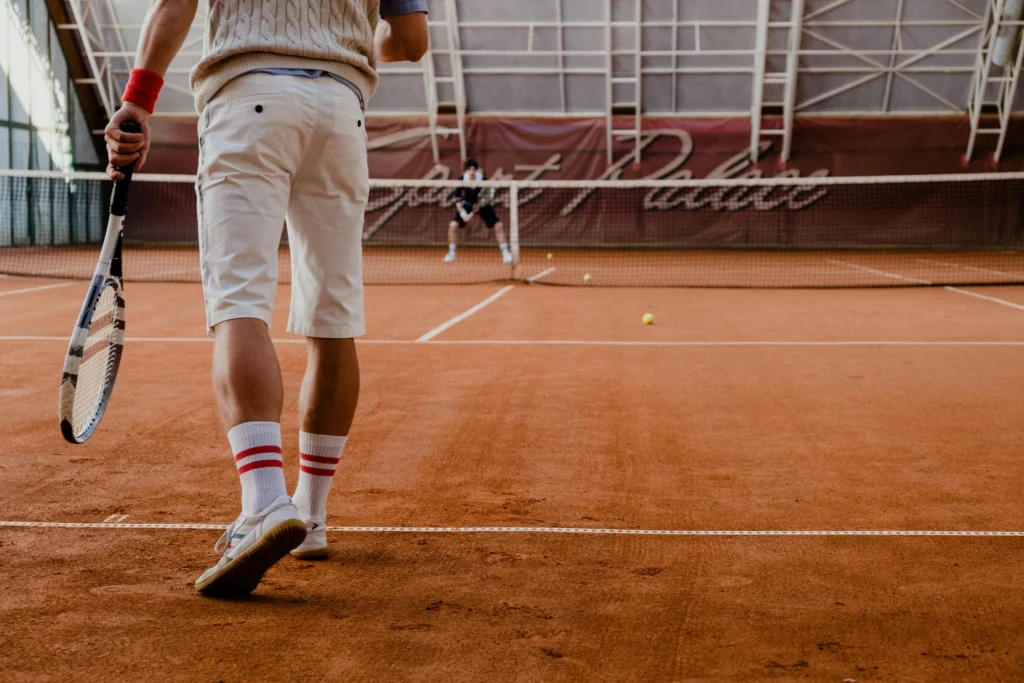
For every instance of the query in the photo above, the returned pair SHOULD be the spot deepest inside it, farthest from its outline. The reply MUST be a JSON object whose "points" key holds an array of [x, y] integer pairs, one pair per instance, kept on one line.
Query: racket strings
{"points": [[97, 361]]}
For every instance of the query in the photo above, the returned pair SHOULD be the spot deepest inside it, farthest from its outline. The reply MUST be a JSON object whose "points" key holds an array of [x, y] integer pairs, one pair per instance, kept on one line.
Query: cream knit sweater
{"points": [[329, 35]]}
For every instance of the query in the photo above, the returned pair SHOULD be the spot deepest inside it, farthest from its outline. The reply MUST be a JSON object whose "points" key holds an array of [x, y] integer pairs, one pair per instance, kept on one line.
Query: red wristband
{"points": [[143, 89]]}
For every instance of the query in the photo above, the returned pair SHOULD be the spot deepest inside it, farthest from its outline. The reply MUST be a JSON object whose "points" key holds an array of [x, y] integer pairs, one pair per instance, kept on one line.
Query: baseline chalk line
{"points": [[952, 533]]}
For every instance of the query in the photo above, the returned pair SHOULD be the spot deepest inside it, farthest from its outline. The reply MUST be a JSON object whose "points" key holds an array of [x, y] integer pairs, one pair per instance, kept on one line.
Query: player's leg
{"points": [[242, 201], [453, 236], [490, 217], [327, 403], [246, 375], [325, 219]]}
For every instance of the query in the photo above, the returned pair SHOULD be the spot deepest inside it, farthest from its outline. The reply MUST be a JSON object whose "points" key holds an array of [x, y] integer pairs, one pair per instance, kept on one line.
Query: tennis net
{"points": [[779, 232]]}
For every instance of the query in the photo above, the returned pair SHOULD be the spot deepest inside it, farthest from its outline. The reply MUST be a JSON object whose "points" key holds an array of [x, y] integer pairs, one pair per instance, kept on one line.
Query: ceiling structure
{"points": [[624, 60]]}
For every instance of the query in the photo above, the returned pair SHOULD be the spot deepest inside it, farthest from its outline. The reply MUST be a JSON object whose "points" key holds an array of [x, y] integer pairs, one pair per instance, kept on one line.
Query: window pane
{"points": [[5, 147], [20, 145]]}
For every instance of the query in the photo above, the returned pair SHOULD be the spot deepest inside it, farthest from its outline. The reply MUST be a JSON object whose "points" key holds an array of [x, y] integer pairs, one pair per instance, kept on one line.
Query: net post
{"points": [[513, 219]]}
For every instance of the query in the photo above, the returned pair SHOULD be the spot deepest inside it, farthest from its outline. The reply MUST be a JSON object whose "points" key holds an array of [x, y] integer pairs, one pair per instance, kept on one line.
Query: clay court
{"points": [[764, 485]]}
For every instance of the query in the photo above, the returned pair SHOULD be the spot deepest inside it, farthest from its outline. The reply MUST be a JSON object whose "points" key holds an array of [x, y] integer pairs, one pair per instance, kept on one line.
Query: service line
{"points": [[696, 344], [35, 289]]}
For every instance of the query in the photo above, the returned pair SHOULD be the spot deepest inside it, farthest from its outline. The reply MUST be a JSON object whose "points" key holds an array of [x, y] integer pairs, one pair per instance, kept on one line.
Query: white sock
{"points": [[257, 450], [451, 248], [504, 248], [319, 455]]}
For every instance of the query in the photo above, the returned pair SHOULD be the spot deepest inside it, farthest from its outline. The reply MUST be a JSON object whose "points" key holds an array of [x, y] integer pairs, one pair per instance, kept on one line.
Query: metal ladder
{"points": [[634, 78], [432, 85], [763, 79], [1007, 80]]}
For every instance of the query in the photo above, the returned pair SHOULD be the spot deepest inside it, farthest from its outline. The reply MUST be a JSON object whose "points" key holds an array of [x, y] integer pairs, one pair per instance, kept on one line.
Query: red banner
{"points": [[672, 148]]}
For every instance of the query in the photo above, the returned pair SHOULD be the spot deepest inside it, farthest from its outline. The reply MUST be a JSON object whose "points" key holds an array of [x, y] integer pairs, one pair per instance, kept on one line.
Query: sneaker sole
{"points": [[310, 554], [245, 572]]}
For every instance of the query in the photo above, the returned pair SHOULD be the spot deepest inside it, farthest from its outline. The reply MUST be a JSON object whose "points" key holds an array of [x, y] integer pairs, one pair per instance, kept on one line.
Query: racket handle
{"points": [[119, 198]]}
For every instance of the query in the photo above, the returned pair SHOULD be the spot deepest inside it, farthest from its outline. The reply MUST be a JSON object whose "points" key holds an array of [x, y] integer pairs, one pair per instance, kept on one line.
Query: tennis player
{"points": [[475, 201], [280, 92]]}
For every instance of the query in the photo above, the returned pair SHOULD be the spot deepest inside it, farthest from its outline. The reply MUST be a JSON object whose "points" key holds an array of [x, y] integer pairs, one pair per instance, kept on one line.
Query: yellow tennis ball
{"points": [[648, 318], [550, 256], [587, 278]]}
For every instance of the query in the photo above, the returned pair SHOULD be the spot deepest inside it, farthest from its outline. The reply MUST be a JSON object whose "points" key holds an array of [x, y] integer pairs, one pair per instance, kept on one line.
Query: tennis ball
{"points": [[550, 256], [587, 278], [648, 318]]}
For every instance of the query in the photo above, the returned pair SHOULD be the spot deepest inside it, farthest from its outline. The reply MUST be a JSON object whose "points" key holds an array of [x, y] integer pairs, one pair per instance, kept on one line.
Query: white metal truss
{"points": [[572, 48], [1002, 23], [91, 36], [904, 63]]}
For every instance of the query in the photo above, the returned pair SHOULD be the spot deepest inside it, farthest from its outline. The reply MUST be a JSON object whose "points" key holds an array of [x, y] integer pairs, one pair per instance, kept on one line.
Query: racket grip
{"points": [[119, 198]]}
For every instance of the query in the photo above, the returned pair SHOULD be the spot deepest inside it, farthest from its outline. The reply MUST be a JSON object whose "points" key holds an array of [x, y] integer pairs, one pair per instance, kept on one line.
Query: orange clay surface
{"points": [[737, 410]]}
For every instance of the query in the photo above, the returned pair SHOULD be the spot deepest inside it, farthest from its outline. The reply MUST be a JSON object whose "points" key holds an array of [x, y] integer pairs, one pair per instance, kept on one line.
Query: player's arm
{"points": [[164, 31], [403, 36], [462, 205]]}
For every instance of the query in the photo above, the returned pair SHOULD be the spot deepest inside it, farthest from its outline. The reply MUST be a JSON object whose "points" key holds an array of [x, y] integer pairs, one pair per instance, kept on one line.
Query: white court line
{"points": [[974, 268], [955, 290], [194, 270], [549, 530], [569, 342], [542, 274], [465, 314], [882, 273], [35, 289], [1001, 302]]}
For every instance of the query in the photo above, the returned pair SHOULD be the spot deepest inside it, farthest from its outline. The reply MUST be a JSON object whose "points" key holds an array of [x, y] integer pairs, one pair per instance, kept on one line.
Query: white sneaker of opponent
{"points": [[449, 257], [506, 256], [315, 545], [251, 546]]}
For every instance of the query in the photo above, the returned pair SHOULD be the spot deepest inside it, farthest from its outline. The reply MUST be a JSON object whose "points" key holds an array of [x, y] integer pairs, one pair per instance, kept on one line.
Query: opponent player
{"points": [[475, 201], [280, 92]]}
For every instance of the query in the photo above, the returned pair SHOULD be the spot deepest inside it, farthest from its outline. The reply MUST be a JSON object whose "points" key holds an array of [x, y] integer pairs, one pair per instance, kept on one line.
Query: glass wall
{"points": [[41, 124]]}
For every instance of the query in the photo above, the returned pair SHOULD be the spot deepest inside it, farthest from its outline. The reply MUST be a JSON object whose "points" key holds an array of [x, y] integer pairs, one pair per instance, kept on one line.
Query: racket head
{"points": [[93, 359]]}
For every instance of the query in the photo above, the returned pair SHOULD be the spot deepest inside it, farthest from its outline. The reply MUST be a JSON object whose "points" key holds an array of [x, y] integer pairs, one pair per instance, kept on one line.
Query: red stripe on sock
{"points": [[260, 464], [320, 459], [316, 471], [258, 450]]}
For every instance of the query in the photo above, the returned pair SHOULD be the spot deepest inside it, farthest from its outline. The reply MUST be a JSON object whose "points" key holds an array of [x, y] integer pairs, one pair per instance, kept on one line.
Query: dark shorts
{"points": [[487, 214]]}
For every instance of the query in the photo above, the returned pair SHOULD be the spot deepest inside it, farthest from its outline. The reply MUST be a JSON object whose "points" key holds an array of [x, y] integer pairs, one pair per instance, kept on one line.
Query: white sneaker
{"points": [[449, 257], [250, 547], [506, 257], [315, 545]]}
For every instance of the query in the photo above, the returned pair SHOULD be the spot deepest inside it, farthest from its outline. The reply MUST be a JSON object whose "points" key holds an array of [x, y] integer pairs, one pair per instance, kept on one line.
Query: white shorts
{"points": [[271, 148]]}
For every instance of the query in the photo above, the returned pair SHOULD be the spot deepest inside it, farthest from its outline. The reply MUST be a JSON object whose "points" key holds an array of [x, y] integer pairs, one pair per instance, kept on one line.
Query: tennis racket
{"points": [[94, 353]]}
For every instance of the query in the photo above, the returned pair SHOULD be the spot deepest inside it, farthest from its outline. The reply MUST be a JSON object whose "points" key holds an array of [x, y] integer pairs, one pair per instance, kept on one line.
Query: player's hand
{"points": [[126, 149]]}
